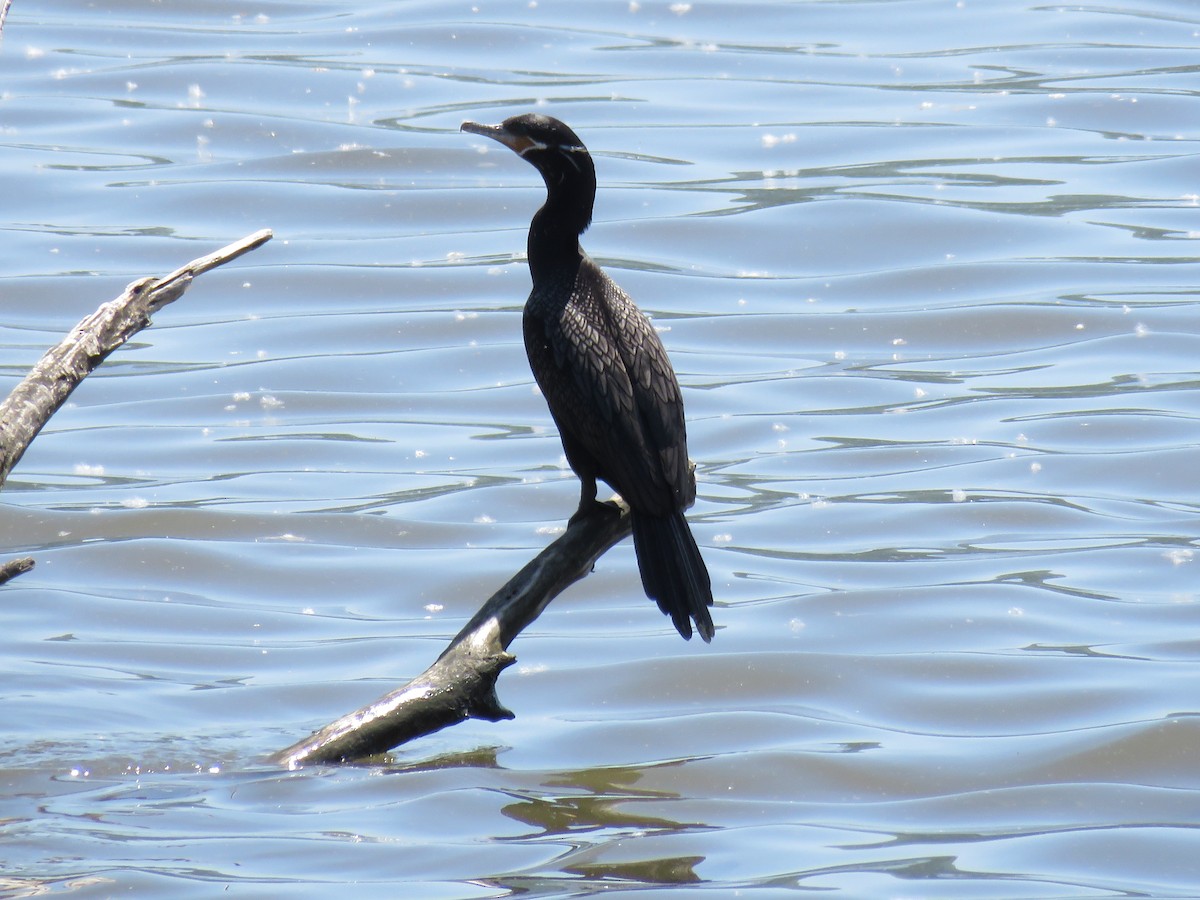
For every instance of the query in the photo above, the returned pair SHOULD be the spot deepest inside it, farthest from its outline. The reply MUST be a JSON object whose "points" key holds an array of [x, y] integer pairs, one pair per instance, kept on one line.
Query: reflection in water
{"points": [[618, 846], [609, 802], [672, 870]]}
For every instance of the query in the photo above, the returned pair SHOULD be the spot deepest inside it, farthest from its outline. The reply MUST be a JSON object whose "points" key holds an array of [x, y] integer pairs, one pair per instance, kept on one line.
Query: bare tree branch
{"points": [[15, 567], [50, 382], [461, 684]]}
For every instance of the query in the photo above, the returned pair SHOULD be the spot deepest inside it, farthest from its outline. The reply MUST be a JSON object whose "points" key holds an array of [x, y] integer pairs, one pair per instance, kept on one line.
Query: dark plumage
{"points": [[605, 374]]}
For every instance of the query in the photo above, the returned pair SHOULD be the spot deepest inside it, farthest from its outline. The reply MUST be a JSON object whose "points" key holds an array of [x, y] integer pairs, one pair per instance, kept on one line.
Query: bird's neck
{"points": [[554, 233]]}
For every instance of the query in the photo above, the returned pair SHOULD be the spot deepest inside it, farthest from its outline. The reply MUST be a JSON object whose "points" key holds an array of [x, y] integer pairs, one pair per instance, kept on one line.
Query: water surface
{"points": [[927, 273]]}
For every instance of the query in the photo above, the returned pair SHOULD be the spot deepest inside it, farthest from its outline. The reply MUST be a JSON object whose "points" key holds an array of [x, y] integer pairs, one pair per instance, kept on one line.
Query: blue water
{"points": [[927, 273]]}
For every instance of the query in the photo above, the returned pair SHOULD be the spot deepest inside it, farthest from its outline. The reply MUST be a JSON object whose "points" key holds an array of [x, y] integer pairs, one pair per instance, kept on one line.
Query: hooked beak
{"points": [[518, 144]]}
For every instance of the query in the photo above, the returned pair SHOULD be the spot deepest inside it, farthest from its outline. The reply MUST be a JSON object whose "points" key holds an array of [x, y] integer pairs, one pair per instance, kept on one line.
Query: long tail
{"points": [[673, 573]]}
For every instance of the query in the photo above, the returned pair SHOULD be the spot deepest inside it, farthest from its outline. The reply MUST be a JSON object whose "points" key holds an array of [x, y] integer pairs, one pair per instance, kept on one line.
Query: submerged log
{"points": [[461, 684]]}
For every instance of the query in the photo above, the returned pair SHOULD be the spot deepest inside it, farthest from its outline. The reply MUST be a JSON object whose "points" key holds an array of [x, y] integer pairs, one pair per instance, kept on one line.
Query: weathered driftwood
{"points": [[15, 567], [62, 368], [50, 382], [461, 684]]}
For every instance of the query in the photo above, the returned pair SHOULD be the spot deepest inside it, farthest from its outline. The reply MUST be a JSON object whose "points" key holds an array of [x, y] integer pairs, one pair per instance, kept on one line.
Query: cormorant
{"points": [[605, 374]]}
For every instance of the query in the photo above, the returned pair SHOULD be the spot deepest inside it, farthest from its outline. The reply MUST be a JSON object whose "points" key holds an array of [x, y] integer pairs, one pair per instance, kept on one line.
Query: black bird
{"points": [[604, 372]]}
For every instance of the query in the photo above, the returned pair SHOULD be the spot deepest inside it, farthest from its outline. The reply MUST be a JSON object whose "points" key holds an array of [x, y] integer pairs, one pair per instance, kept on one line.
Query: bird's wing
{"points": [[615, 395], [656, 395]]}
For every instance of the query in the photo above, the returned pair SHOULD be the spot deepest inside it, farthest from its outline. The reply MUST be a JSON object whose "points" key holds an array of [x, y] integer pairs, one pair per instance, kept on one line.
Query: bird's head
{"points": [[547, 144]]}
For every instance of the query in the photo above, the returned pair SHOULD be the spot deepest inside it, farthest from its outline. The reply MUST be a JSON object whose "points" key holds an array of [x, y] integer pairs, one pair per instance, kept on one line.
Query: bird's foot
{"points": [[592, 506]]}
